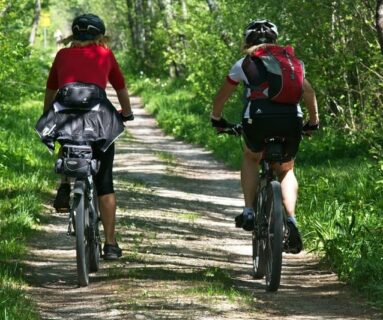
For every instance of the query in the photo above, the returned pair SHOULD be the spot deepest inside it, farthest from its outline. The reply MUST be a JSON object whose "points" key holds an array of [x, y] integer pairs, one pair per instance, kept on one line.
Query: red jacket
{"points": [[90, 64]]}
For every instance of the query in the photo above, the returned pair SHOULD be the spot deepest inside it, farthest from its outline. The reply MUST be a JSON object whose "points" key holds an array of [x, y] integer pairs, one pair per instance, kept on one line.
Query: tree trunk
{"points": [[35, 22], [151, 9], [214, 9], [131, 23], [5, 10], [379, 23], [184, 9], [166, 7], [140, 28], [136, 16]]}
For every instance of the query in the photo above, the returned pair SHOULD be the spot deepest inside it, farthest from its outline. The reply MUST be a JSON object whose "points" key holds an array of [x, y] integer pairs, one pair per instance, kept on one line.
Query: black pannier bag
{"points": [[77, 161]]}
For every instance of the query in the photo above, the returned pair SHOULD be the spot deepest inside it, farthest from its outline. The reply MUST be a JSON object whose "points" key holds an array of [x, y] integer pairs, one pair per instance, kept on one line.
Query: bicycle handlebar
{"points": [[236, 129]]}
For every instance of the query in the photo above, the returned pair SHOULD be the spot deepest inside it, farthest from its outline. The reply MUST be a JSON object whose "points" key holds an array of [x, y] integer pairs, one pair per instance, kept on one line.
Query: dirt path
{"points": [[183, 258]]}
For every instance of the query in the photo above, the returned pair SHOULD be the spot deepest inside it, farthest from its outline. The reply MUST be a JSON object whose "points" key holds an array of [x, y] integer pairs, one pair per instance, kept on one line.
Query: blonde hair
{"points": [[100, 40], [249, 50]]}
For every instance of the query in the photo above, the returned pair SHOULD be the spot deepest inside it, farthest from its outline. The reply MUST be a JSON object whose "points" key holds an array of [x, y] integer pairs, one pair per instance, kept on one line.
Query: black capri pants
{"points": [[104, 177], [287, 126]]}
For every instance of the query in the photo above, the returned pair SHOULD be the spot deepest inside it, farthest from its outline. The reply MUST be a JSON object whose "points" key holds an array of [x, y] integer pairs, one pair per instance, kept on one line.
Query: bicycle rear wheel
{"points": [[81, 212], [274, 246], [259, 242]]}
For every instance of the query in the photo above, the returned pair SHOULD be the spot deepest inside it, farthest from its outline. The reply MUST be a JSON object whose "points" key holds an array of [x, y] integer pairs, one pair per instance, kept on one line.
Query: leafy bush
{"points": [[26, 178], [24, 163]]}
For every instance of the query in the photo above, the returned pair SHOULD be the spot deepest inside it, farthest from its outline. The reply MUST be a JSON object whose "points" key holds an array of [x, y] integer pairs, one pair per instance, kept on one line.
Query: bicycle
{"points": [[270, 232], [77, 163]]}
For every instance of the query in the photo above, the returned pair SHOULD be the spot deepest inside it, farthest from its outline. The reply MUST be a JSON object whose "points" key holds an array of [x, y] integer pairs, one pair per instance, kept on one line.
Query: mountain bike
{"points": [[270, 232], [77, 163]]}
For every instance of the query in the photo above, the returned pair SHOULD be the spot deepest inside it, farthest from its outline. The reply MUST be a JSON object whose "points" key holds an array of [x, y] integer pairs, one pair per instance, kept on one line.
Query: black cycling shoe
{"points": [[61, 203], [112, 252], [294, 242], [245, 222]]}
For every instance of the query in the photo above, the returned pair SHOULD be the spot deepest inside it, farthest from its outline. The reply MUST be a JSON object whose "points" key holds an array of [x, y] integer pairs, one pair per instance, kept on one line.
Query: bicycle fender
{"points": [[79, 187]]}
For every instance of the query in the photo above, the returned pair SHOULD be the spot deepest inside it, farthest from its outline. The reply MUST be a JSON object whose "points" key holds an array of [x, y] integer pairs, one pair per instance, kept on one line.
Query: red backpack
{"points": [[285, 74]]}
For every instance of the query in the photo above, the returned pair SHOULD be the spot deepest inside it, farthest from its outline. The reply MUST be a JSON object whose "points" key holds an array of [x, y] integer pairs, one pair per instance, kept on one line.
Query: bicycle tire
{"points": [[82, 229], [94, 235], [274, 207], [258, 242]]}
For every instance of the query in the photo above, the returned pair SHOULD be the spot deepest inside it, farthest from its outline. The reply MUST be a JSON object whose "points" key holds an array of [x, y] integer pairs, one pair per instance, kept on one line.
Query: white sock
{"points": [[292, 219]]}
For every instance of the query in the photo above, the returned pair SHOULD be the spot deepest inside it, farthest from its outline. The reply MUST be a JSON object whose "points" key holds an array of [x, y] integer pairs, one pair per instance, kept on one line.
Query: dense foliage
{"points": [[23, 171]]}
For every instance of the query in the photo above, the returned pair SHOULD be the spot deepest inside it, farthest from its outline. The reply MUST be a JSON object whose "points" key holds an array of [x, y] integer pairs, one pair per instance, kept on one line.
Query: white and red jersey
{"points": [[237, 75]]}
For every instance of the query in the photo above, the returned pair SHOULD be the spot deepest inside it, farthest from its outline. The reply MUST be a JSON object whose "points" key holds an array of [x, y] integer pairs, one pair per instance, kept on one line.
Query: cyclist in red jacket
{"points": [[264, 118], [88, 61]]}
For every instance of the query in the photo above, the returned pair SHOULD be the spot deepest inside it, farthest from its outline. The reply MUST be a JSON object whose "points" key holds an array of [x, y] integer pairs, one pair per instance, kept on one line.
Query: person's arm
{"points": [[223, 94], [123, 99], [310, 101], [48, 99]]}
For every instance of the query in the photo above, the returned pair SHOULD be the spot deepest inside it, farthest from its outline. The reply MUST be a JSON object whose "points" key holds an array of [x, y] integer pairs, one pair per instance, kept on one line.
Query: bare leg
{"points": [[249, 175], [107, 204], [289, 185]]}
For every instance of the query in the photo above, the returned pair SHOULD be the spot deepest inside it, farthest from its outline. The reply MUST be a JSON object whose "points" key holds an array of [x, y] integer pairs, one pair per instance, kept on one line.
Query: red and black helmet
{"points": [[260, 31], [87, 27]]}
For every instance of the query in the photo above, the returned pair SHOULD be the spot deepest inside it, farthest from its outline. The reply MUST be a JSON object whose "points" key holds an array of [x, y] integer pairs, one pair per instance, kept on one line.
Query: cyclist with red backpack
{"points": [[274, 85]]}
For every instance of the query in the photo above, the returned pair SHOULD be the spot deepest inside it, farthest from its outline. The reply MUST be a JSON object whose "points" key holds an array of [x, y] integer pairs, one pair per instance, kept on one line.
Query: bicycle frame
{"points": [[77, 163], [269, 233], [267, 175]]}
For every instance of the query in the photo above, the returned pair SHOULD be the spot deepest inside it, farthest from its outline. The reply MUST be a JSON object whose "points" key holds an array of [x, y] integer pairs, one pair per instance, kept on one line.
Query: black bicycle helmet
{"points": [[260, 31], [87, 27]]}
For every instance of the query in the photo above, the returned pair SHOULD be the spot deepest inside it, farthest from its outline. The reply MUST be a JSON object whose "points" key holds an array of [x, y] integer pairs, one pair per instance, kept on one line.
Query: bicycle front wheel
{"points": [[274, 246], [94, 236], [259, 257], [80, 209]]}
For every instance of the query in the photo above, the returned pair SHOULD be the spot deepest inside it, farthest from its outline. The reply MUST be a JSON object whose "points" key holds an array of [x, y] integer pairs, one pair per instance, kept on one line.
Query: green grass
{"points": [[208, 283], [13, 302], [167, 157], [26, 177], [340, 212], [216, 282]]}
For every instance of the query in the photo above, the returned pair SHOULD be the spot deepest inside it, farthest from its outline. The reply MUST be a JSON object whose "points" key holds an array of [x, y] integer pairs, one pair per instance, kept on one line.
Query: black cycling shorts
{"points": [[104, 177], [287, 126]]}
